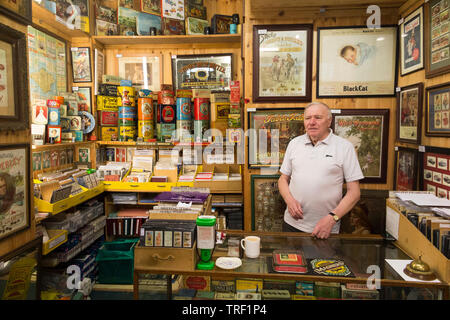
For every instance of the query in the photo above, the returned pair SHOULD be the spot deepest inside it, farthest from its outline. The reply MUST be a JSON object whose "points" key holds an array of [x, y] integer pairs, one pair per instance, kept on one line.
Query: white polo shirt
{"points": [[317, 175]]}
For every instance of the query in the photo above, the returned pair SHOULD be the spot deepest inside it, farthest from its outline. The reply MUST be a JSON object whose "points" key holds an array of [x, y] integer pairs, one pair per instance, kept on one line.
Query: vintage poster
{"points": [[406, 169], [151, 6], [173, 9], [410, 114], [438, 109], [270, 133], [6, 80], [211, 71], [14, 189], [412, 42], [81, 64], [267, 204], [357, 62], [283, 59], [367, 131], [438, 44]]}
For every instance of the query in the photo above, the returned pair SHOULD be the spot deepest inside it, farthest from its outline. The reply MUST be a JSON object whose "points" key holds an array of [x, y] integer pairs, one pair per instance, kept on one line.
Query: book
{"points": [[289, 261]]}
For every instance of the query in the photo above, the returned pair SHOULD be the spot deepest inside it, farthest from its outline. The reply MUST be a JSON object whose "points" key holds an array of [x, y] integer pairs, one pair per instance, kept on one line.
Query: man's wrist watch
{"points": [[335, 217]]}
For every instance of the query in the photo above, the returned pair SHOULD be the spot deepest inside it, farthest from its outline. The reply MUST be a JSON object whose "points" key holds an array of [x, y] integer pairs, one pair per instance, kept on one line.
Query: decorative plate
{"points": [[228, 263], [88, 121]]}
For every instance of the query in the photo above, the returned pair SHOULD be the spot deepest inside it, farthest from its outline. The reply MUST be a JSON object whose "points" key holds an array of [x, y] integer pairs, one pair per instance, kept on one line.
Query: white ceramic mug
{"points": [[251, 247]]}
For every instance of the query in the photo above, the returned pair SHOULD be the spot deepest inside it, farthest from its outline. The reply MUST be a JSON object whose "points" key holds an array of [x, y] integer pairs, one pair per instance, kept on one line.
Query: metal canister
{"points": [[146, 130], [167, 113], [126, 96], [184, 109], [127, 116], [145, 109], [201, 117], [127, 133]]}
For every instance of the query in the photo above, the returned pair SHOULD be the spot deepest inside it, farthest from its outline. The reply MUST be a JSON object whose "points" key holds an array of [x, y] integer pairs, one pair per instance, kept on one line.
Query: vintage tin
{"points": [[184, 109], [109, 133], [106, 89], [108, 118], [60, 99], [167, 113], [146, 130], [166, 97], [172, 26], [107, 103], [184, 93], [200, 126], [234, 120], [127, 122], [65, 124], [78, 135], [182, 127], [75, 123], [201, 109], [53, 116], [62, 110], [127, 133], [165, 131], [145, 109], [127, 112], [126, 96]]}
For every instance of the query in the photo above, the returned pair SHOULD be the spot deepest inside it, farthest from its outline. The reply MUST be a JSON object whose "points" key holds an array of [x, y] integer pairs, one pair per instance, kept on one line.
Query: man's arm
{"points": [[323, 228], [294, 207]]}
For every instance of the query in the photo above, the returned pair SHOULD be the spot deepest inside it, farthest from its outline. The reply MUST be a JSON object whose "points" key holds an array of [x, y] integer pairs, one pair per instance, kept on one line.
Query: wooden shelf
{"points": [[47, 20], [175, 39], [59, 145]]}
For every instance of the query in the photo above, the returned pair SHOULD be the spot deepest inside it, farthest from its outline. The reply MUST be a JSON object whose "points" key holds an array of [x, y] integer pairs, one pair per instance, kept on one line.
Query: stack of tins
{"points": [[165, 115], [127, 113], [201, 118], [145, 115], [184, 115]]}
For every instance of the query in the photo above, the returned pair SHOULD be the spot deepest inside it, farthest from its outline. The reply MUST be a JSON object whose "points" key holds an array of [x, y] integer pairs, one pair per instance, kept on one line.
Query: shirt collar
{"points": [[325, 141]]}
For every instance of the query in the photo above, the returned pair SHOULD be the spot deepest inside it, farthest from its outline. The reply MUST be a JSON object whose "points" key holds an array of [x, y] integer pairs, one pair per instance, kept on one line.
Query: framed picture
{"points": [[411, 43], [19, 10], [151, 6], [14, 189], [406, 169], [206, 71], [436, 171], [437, 43], [356, 62], [282, 63], [409, 113], [270, 133], [53, 134], [84, 98], [437, 110], [267, 204], [99, 68], [13, 80], [81, 64], [144, 72], [368, 130]]}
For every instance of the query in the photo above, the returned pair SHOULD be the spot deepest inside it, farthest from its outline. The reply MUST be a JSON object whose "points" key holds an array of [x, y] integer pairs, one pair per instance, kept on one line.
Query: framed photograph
{"points": [[270, 133], [267, 204], [84, 98], [436, 171], [14, 189], [81, 64], [409, 113], [411, 43], [282, 63], [437, 110], [144, 72], [206, 71], [406, 169], [356, 62], [13, 80], [99, 68], [368, 130], [437, 43], [19, 10]]}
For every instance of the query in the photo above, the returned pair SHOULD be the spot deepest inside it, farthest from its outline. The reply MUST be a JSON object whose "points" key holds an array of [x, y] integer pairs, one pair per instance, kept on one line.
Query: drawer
{"points": [[163, 258]]}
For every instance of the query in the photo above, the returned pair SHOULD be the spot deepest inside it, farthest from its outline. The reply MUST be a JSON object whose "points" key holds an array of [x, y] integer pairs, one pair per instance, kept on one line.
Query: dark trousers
{"points": [[286, 227]]}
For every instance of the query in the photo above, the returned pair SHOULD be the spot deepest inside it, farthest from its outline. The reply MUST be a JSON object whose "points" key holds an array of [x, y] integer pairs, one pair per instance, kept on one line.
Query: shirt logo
{"points": [[328, 155]]}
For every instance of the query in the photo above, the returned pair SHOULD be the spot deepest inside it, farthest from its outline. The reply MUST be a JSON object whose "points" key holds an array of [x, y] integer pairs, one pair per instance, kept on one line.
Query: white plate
{"points": [[228, 263]]}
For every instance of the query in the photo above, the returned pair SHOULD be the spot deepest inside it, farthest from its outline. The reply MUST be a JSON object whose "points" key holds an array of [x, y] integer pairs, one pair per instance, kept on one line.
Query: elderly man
{"points": [[312, 174]]}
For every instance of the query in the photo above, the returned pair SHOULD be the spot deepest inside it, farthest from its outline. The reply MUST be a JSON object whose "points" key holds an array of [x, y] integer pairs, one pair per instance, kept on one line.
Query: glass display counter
{"points": [[365, 257]]}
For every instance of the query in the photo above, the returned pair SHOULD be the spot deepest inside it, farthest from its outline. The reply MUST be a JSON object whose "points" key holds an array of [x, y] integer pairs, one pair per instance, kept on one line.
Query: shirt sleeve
{"points": [[352, 169], [286, 167]]}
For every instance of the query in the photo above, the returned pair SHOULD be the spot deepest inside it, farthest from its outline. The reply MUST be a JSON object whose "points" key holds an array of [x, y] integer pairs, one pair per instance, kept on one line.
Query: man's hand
{"points": [[323, 228], [295, 209]]}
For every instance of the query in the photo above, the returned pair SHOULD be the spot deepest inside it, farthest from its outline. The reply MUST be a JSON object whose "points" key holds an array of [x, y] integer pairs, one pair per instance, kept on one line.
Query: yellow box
{"points": [[109, 133], [107, 103], [56, 238], [249, 285]]}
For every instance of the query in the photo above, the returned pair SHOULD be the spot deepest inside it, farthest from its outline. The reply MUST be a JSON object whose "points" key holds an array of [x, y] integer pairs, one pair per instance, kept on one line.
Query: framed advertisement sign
{"points": [[368, 130], [209, 71], [282, 63], [437, 42], [436, 171], [437, 109], [409, 113], [356, 62], [14, 102], [270, 133], [406, 169], [144, 71], [14, 189], [267, 204], [411, 43], [81, 64]]}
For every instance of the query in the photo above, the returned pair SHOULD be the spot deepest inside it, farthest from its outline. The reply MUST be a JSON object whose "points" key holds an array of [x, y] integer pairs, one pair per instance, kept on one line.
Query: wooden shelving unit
{"points": [[164, 40]]}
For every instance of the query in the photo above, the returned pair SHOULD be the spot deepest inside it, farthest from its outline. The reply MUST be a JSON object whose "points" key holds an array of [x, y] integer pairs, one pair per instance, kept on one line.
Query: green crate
{"points": [[116, 262]]}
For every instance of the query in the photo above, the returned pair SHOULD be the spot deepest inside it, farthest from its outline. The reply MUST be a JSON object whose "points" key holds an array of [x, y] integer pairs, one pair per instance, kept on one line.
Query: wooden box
{"points": [[165, 258]]}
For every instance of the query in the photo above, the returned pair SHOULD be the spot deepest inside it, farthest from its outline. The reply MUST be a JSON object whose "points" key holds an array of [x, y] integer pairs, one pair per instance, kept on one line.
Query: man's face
{"points": [[317, 122]]}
